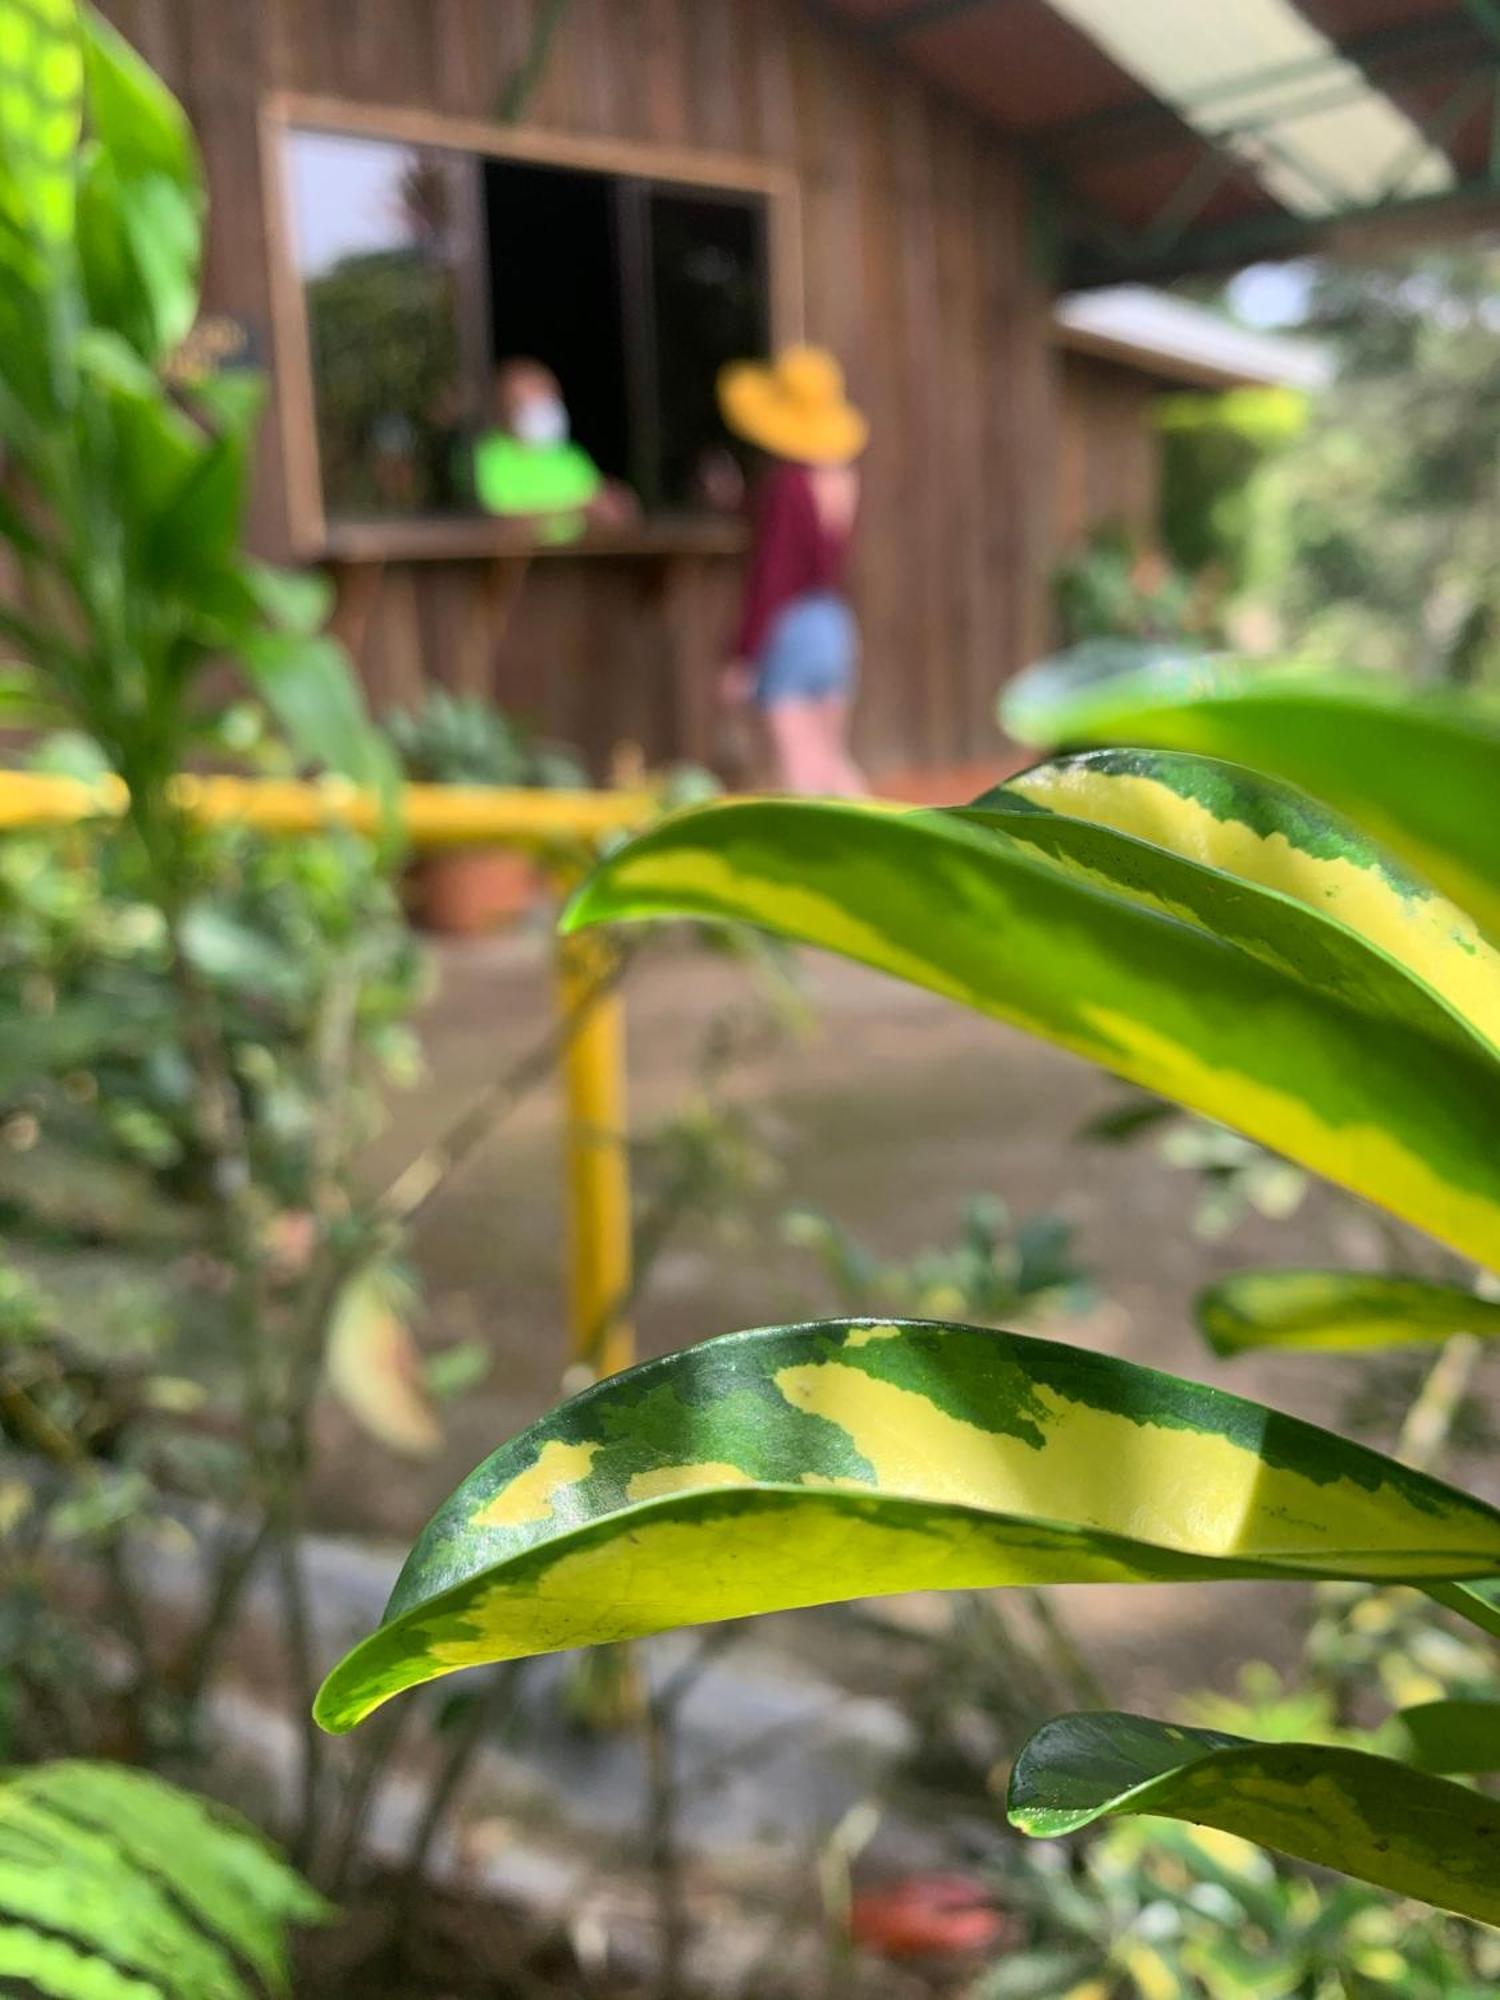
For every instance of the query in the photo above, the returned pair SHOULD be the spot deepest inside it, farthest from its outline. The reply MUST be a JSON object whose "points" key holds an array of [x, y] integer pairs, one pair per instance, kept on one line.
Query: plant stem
{"points": [[235, 1569], [377, 1753], [297, 1628], [428, 1173], [469, 1736], [661, 1842]]}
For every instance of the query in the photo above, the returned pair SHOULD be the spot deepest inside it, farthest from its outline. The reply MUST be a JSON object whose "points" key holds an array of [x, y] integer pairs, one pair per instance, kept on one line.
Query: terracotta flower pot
{"points": [[470, 890]]}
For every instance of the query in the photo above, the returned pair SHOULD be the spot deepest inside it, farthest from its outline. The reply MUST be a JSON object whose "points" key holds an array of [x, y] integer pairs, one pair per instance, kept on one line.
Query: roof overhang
{"points": [[1170, 136], [1180, 345]]}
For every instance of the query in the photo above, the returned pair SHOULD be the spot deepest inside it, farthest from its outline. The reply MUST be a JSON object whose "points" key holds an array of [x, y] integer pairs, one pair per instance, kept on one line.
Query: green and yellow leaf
{"points": [[1337, 1311], [801, 1465], [1384, 1822], [1230, 945], [1418, 769]]}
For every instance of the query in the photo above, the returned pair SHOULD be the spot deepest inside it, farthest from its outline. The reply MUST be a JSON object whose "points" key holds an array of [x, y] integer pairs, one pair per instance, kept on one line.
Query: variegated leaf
{"points": [[1217, 938], [1418, 769], [1384, 1822], [1337, 1310], [803, 1464]]}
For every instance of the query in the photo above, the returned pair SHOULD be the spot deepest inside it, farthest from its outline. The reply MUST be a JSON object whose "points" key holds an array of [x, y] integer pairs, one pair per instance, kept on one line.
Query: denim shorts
{"points": [[810, 652]]}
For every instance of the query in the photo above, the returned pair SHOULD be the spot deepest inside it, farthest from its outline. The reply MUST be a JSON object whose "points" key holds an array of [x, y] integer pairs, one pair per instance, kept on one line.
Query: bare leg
{"points": [[799, 746], [842, 776]]}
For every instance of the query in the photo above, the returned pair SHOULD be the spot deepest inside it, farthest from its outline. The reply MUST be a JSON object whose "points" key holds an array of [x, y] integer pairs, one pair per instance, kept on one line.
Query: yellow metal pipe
{"points": [[597, 1163], [593, 1070], [431, 815]]}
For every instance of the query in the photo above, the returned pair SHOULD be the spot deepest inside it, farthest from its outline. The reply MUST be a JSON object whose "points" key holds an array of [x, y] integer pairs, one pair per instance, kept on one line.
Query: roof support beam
{"points": [[918, 14], [1264, 236]]}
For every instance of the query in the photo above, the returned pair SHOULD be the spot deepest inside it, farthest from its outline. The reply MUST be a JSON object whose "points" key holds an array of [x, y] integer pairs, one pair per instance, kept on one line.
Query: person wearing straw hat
{"points": [[797, 649]]}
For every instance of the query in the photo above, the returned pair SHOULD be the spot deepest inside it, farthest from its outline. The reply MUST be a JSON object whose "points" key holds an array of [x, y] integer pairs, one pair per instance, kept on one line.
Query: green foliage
{"points": [[464, 740], [1213, 450], [1385, 1823], [1236, 1178], [1383, 518], [127, 475], [114, 1886], [1112, 589], [997, 1269], [125, 1366], [1156, 1908], [1338, 1310], [1128, 905]]}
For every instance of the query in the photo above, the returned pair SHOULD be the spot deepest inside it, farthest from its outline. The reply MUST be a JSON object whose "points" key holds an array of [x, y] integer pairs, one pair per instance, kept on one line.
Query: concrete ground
{"points": [[890, 1111]]}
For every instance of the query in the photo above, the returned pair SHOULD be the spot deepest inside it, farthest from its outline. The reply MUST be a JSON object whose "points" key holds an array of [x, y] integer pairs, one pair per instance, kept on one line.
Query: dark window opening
{"points": [[424, 268]]}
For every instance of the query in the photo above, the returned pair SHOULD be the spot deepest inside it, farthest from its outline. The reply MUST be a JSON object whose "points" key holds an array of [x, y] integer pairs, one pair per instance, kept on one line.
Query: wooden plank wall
{"points": [[917, 272], [1108, 469]]}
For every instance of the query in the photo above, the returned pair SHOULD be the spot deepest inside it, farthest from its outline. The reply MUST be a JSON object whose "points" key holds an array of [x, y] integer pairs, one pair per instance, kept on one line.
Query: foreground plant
{"points": [[1212, 936], [114, 1886]]}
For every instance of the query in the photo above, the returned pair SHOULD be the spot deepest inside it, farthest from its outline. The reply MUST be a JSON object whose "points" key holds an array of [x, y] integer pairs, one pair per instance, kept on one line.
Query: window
{"points": [[422, 266]]}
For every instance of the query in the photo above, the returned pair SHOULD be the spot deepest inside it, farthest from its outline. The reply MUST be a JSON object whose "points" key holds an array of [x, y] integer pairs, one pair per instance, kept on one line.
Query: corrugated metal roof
{"points": [[1173, 135]]}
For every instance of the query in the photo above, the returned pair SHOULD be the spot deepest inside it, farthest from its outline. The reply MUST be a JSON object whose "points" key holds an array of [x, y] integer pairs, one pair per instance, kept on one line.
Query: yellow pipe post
{"points": [[593, 1065], [597, 1164]]}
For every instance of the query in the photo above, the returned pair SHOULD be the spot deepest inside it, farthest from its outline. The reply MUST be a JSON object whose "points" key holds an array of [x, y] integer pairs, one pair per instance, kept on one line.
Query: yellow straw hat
{"points": [[794, 407]]}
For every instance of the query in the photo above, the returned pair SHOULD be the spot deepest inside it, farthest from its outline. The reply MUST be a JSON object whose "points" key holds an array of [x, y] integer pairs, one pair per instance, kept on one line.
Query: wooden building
{"points": [[638, 184]]}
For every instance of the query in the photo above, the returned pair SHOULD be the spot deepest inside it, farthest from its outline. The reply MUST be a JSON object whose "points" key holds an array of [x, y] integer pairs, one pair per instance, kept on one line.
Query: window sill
{"points": [[480, 538]]}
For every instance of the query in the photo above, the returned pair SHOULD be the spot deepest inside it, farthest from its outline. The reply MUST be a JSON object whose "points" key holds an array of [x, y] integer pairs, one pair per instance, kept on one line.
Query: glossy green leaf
{"points": [[1337, 1310], [799, 1465], [41, 97], [1460, 1737], [1216, 938], [1418, 769], [1398, 1828], [308, 684], [140, 199], [132, 113]]}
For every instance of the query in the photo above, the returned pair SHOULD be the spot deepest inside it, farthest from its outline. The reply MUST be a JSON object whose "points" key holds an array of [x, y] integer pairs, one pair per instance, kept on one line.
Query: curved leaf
{"points": [[1418, 769], [1399, 1828], [799, 1465], [373, 1365], [1443, 1736], [1242, 998], [1337, 1310]]}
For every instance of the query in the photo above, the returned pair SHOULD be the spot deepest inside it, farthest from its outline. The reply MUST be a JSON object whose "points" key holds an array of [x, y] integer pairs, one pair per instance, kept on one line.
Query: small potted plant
{"points": [[465, 740]]}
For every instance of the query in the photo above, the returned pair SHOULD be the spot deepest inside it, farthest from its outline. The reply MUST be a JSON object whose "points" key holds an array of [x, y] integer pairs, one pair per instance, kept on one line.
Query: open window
{"points": [[420, 266]]}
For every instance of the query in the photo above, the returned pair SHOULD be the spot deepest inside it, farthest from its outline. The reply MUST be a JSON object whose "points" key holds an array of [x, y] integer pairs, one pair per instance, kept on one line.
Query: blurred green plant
{"points": [[1216, 451], [464, 740], [1380, 524], [1116, 587], [1162, 1912], [996, 1271]]}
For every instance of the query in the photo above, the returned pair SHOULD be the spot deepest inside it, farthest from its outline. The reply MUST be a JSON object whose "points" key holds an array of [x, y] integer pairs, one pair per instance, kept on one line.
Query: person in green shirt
{"points": [[529, 467]]}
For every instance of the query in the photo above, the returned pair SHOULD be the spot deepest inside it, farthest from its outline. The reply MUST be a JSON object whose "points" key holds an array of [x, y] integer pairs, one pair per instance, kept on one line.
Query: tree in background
{"points": [[1377, 529]]}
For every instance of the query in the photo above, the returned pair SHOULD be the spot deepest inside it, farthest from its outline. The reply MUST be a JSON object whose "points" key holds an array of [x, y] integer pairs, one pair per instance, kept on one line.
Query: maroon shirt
{"points": [[791, 552]]}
